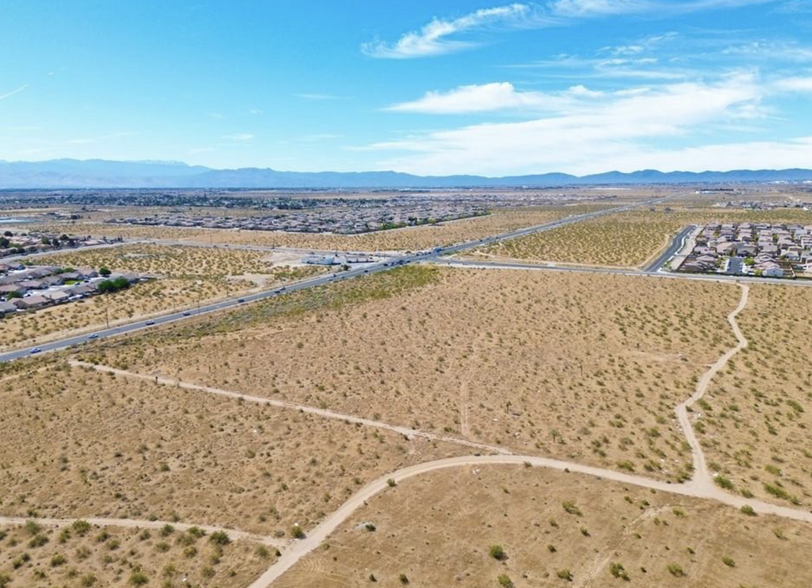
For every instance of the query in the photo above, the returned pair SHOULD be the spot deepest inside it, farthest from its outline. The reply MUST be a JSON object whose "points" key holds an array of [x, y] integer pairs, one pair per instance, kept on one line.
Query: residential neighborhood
{"points": [[345, 220], [25, 243], [751, 249], [26, 288]]}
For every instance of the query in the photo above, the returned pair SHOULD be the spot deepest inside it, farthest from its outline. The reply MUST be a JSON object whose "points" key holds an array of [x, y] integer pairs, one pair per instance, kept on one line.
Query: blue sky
{"points": [[441, 87]]}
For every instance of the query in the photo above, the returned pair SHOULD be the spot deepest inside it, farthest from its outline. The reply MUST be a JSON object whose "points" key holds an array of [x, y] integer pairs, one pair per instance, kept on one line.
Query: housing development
{"points": [[754, 249]]}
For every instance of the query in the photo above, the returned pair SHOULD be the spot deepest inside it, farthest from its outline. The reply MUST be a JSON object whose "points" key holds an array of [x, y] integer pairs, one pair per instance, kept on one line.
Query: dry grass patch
{"points": [[552, 529], [79, 443], [585, 367], [83, 555], [756, 419]]}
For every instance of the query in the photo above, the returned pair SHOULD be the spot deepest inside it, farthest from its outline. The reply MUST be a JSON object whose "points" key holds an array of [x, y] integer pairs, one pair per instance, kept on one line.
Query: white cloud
{"points": [[490, 97], [794, 84], [586, 8], [17, 91], [318, 97], [589, 135], [255, 111], [239, 137], [434, 38]]}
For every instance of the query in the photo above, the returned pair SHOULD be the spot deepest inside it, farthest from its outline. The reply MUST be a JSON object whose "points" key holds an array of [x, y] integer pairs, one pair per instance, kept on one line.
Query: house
{"points": [[7, 308], [57, 297], [36, 301]]}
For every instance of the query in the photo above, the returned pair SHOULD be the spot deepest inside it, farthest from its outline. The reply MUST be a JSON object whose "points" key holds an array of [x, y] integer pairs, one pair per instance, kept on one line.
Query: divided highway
{"points": [[391, 263]]}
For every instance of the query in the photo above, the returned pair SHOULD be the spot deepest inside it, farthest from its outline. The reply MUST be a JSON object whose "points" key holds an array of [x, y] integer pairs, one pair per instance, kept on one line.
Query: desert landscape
{"points": [[491, 526], [183, 277]]}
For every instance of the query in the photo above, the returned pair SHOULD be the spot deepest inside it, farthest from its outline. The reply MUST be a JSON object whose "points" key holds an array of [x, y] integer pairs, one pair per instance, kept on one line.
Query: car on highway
{"points": [[35, 350], [94, 336], [241, 300], [186, 313], [150, 322]]}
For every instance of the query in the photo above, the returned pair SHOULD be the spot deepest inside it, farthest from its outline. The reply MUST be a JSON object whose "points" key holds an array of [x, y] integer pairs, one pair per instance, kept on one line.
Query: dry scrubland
{"points": [[627, 239], [756, 421], [527, 360], [79, 443], [411, 238], [188, 276], [554, 529], [83, 555]]}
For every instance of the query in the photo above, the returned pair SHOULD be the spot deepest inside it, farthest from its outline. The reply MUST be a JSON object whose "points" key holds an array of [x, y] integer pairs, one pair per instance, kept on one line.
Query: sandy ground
{"points": [[438, 529], [85, 444], [522, 360], [756, 420], [33, 556]]}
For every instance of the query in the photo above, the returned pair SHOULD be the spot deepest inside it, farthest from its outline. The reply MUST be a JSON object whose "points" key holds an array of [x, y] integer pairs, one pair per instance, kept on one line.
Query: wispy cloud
{"points": [[305, 96], [489, 98], [318, 137], [239, 137], [437, 37], [587, 8], [593, 132], [255, 111], [17, 91], [448, 35]]}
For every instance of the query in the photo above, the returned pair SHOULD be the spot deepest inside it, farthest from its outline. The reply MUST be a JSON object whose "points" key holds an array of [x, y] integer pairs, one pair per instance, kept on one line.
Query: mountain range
{"points": [[98, 173]]}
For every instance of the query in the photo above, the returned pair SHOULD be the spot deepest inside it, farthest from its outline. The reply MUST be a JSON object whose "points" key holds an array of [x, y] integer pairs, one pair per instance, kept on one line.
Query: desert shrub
{"points": [[618, 571], [564, 574], [571, 508], [497, 552], [220, 538], [138, 578], [723, 482], [505, 581]]}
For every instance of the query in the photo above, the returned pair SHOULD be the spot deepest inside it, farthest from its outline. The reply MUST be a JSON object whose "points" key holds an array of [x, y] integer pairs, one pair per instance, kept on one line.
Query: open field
{"points": [[411, 238], [187, 276], [87, 556], [79, 443], [627, 239], [554, 529], [523, 360], [756, 421]]}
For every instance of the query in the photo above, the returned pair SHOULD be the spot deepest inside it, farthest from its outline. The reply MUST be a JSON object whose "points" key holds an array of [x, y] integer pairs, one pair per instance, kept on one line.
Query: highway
{"points": [[391, 263]]}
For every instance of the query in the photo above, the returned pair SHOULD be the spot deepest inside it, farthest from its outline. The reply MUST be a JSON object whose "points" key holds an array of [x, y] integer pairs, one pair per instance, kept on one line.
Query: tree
{"points": [[104, 272]]}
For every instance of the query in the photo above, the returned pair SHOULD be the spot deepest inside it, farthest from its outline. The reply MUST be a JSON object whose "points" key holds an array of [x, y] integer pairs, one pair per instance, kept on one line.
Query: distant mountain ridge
{"points": [[100, 173]]}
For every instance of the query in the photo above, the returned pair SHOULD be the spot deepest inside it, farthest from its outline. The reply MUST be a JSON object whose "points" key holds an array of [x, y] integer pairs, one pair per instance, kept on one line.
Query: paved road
{"points": [[677, 243], [313, 282], [722, 278]]}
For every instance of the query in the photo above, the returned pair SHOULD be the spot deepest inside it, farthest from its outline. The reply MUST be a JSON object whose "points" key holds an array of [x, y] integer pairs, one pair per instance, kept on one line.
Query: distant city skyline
{"points": [[449, 87]]}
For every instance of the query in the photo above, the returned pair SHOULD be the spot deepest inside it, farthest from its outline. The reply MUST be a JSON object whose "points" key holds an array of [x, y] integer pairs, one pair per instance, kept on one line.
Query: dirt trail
{"points": [[329, 414], [701, 486], [299, 549], [141, 524], [702, 477]]}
